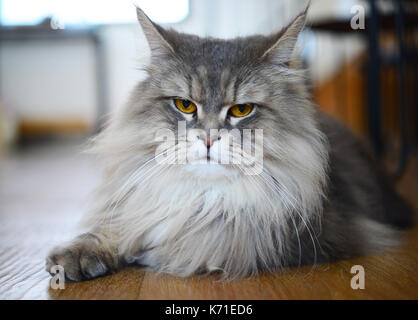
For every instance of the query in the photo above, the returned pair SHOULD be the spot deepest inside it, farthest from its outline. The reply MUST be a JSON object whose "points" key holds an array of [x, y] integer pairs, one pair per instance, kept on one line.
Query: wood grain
{"points": [[42, 192]]}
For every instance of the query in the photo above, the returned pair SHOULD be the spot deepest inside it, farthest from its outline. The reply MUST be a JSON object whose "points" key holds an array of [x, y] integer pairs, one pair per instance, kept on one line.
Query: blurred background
{"points": [[66, 65]]}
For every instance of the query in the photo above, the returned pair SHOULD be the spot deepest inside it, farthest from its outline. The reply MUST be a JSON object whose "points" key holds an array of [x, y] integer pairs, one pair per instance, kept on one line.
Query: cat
{"points": [[314, 194]]}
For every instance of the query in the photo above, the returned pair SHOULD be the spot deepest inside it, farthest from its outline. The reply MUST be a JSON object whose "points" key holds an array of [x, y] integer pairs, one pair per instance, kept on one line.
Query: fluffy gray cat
{"points": [[315, 196]]}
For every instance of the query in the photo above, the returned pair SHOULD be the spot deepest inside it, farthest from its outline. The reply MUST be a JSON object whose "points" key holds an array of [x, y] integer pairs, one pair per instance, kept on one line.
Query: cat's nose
{"points": [[210, 140]]}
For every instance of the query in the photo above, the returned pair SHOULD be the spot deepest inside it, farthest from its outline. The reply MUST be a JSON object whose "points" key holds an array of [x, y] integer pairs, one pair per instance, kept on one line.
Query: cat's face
{"points": [[216, 100], [232, 106]]}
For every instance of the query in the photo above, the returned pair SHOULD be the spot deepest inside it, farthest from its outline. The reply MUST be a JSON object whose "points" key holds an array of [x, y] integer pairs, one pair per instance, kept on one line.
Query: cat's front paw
{"points": [[83, 259]]}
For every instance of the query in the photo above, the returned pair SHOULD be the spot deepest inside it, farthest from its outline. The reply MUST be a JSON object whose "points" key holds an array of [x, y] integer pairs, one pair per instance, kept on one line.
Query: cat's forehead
{"points": [[213, 69], [218, 52]]}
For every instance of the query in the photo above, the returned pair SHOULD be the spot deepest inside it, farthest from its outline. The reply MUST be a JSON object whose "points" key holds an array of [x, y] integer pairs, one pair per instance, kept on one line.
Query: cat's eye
{"points": [[185, 106], [241, 110]]}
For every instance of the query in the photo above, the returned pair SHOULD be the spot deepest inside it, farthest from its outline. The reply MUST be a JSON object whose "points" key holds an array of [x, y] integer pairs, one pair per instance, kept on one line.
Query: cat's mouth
{"points": [[206, 164], [205, 160]]}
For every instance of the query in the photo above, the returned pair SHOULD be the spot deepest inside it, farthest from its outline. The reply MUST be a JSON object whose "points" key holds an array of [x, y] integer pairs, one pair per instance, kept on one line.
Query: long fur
{"points": [[317, 197]]}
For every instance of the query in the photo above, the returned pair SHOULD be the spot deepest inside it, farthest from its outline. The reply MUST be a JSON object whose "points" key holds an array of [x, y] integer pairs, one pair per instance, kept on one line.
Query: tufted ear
{"points": [[280, 52], [154, 35]]}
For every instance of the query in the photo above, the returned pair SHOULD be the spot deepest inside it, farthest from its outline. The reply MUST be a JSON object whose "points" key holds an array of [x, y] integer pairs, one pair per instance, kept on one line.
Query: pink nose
{"points": [[209, 142]]}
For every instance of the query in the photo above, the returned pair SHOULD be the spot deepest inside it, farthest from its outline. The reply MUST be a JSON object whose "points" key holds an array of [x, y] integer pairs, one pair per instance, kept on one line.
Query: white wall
{"points": [[43, 80]]}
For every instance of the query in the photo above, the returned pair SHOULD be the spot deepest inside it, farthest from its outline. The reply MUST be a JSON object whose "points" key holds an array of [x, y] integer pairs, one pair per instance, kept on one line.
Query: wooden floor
{"points": [[43, 191]]}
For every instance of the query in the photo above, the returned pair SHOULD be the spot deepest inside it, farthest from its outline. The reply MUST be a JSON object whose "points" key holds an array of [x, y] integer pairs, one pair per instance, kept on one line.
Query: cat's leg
{"points": [[88, 256]]}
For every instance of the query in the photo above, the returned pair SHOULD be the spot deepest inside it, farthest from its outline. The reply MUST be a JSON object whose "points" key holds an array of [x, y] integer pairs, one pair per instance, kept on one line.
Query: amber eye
{"points": [[185, 106], [241, 110]]}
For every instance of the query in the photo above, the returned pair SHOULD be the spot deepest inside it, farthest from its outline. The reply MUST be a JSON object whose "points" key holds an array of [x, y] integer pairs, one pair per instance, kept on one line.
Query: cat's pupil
{"points": [[186, 104], [241, 108]]}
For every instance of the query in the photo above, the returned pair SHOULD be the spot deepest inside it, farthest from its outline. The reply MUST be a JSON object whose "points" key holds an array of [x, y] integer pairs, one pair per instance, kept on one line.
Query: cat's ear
{"points": [[154, 35], [280, 52]]}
